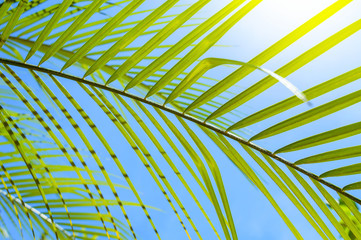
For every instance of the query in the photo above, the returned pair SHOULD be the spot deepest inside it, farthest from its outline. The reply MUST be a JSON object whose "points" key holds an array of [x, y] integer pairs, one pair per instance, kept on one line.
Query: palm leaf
{"points": [[60, 158]]}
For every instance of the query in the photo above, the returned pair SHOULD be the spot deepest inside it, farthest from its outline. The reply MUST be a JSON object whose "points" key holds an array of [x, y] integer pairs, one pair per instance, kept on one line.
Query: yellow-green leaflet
{"points": [[298, 203], [310, 115], [58, 127], [320, 203], [10, 209], [131, 35], [183, 43], [12, 21], [338, 154], [30, 5], [212, 164], [157, 39], [203, 46], [238, 160], [343, 171], [89, 11], [139, 148], [103, 32], [203, 171], [4, 7], [352, 207], [302, 198], [293, 101], [30, 168], [53, 182], [36, 17], [209, 63], [338, 210], [51, 133], [292, 66], [322, 138], [49, 27], [176, 171], [101, 166], [67, 20], [353, 186]]}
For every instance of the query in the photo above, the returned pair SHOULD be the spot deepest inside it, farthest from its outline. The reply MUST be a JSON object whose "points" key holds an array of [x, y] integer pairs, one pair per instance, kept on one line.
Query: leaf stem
{"points": [[185, 116]]}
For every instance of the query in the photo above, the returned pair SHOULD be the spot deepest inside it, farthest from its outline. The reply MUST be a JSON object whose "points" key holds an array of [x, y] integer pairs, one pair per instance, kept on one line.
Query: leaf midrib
{"points": [[185, 116]]}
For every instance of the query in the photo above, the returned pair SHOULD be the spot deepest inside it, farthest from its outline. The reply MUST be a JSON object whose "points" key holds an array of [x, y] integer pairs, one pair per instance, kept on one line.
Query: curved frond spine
{"points": [[186, 117]]}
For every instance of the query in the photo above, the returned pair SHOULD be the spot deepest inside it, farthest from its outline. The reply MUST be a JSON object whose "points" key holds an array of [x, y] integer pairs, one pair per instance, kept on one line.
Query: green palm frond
{"points": [[111, 111]]}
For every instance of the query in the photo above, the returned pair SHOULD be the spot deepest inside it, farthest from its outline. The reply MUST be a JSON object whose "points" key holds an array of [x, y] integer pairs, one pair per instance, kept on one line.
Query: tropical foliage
{"points": [[100, 99]]}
